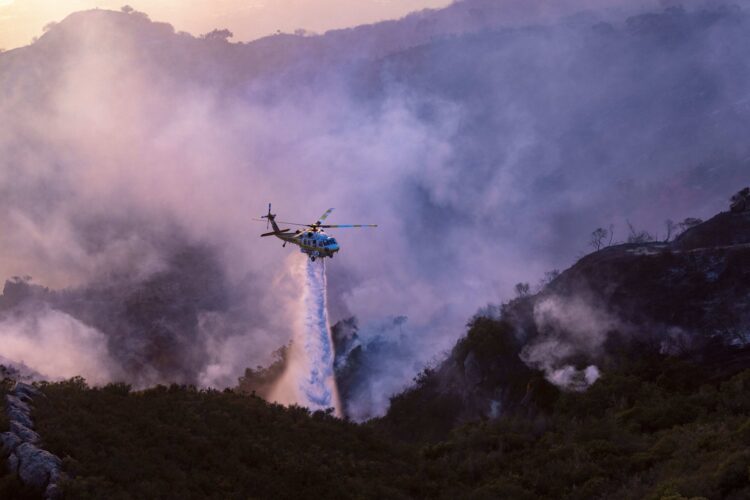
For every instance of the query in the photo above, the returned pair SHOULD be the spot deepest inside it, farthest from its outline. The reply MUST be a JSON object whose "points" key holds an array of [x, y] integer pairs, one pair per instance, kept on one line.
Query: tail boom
{"points": [[272, 220]]}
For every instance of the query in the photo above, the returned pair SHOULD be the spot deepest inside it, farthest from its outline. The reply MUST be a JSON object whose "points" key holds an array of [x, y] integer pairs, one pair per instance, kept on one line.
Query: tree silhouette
{"points": [[522, 289], [597, 238], [218, 35]]}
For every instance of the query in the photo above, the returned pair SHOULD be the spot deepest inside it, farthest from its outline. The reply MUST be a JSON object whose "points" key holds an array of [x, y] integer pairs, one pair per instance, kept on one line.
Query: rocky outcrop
{"points": [[39, 468], [36, 467]]}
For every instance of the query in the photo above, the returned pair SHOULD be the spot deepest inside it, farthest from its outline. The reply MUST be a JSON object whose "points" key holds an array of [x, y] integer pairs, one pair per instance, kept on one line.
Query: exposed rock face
{"points": [[15, 404], [26, 434], [10, 442], [25, 391], [36, 467], [18, 414]]}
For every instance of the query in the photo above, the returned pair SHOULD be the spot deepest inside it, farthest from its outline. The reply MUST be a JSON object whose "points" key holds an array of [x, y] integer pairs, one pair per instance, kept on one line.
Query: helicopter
{"points": [[312, 240]]}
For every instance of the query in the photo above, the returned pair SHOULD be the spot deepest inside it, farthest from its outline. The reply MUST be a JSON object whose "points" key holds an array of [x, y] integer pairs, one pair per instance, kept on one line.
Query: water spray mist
{"points": [[309, 379]]}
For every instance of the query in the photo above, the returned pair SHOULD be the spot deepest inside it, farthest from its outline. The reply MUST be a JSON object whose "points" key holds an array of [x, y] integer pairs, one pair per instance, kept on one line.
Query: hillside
{"points": [[685, 298], [177, 442], [492, 420]]}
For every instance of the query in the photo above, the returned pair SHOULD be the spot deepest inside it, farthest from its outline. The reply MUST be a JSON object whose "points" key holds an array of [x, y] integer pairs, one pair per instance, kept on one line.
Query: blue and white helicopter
{"points": [[311, 240]]}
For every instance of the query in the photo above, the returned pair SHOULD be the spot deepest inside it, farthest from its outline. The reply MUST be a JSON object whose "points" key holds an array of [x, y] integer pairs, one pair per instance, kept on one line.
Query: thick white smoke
{"points": [[569, 326], [308, 380], [56, 346]]}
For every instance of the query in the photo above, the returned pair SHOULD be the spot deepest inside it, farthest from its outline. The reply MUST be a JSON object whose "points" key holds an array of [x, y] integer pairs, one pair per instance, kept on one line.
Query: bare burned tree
{"points": [[597, 238]]}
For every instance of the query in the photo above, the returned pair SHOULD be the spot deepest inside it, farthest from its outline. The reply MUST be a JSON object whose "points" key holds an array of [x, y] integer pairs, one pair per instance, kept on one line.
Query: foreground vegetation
{"points": [[656, 427], [179, 442], [659, 429]]}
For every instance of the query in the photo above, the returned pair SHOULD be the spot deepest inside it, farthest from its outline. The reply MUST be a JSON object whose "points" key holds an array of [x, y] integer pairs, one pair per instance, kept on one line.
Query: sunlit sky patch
{"points": [[20, 21]]}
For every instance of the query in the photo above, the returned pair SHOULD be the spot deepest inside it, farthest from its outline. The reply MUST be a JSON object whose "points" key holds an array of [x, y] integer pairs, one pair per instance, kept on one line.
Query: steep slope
{"points": [[689, 298]]}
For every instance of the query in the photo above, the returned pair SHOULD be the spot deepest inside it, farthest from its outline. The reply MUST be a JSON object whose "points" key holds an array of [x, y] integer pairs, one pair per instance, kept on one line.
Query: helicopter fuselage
{"points": [[314, 243]]}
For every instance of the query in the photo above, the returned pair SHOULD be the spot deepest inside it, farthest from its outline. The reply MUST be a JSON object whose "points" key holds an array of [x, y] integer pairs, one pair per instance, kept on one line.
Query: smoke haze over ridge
{"points": [[123, 144]]}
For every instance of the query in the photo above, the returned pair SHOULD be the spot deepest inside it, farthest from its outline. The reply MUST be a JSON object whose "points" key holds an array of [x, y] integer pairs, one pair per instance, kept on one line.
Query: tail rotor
{"points": [[268, 217], [271, 221]]}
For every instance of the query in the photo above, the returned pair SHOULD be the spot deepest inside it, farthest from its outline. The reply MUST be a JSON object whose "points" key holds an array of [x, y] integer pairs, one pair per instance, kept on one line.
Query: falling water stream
{"points": [[309, 379]]}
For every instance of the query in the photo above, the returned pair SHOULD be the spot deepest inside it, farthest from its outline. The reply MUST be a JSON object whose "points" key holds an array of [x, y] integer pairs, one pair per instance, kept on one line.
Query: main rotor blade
{"points": [[324, 216], [350, 225], [293, 223]]}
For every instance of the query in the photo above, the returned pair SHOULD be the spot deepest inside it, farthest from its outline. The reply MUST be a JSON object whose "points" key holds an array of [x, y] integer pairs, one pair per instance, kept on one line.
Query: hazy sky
{"points": [[21, 20]]}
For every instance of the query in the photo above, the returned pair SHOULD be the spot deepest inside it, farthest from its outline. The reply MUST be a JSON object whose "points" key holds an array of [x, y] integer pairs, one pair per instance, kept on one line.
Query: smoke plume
{"points": [[54, 346], [569, 328]]}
